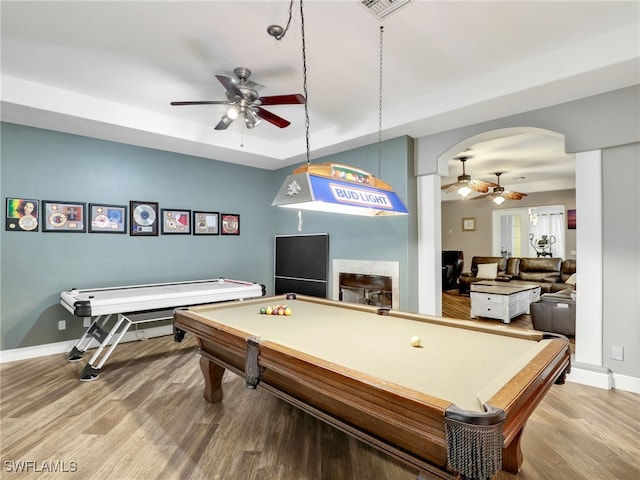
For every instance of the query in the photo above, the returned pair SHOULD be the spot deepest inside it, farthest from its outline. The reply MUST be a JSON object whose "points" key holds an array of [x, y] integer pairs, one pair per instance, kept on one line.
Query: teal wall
{"points": [[47, 165]]}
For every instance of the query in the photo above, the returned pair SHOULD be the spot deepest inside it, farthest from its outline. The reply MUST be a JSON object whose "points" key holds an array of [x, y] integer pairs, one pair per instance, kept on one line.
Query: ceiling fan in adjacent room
{"points": [[464, 186], [499, 194], [243, 100]]}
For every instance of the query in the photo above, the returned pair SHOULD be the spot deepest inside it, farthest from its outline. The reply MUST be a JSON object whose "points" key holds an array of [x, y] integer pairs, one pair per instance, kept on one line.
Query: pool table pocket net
{"points": [[474, 442]]}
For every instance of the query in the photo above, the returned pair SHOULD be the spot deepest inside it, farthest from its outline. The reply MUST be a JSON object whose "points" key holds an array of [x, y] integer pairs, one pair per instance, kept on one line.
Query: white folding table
{"points": [[135, 304]]}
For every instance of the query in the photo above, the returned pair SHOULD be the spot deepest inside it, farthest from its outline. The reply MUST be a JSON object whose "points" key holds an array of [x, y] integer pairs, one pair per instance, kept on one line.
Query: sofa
{"points": [[555, 313], [567, 277], [477, 273], [550, 273]]}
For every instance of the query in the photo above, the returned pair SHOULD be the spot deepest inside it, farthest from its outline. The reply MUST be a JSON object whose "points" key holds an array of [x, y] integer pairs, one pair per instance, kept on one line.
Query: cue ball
{"points": [[415, 341]]}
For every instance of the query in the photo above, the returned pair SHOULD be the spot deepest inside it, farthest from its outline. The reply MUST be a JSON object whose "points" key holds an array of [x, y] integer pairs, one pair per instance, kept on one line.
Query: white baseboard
{"points": [[64, 347], [591, 378], [626, 383], [602, 377]]}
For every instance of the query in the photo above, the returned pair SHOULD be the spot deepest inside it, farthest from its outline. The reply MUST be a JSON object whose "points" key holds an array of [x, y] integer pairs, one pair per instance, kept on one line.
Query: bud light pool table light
{"points": [[332, 187], [336, 188]]}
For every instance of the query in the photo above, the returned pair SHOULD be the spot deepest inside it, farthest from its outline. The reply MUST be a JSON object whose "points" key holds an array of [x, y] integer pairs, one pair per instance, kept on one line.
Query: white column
{"points": [[589, 238], [429, 245]]}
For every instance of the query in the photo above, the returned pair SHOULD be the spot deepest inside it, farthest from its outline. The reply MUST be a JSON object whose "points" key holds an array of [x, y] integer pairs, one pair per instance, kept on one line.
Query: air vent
{"points": [[383, 8]]}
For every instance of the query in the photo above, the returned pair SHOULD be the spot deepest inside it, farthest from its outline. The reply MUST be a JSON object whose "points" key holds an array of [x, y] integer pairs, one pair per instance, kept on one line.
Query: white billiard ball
{"points": [[415, 341]]}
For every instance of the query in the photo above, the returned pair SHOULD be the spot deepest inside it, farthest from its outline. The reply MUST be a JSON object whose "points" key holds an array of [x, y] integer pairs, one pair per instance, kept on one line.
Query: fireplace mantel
{"points": [[367, 267]]}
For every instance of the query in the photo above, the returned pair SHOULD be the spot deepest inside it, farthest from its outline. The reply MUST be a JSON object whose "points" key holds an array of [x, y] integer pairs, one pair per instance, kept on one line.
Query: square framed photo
{"points": [[206, 223], [22, 215], [230, 224], [176, 222], [105, 218], [469, 224], [143, 218], [59, 216]]}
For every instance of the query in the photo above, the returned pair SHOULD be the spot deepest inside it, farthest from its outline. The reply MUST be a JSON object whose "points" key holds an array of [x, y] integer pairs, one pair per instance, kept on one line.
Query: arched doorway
{"points": [[529, 155]]}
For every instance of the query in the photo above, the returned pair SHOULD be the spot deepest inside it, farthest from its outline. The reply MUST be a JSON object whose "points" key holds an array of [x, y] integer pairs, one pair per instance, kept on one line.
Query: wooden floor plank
{"points": [[145, 417]]}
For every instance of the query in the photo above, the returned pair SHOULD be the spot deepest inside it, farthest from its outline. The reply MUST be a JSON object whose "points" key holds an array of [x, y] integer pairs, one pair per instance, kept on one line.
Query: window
{"points": [[529, 232]]}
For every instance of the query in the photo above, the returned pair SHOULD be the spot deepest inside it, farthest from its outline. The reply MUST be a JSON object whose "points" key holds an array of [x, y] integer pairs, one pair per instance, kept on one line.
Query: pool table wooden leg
{"points": [[512, 455], [212, 373]]}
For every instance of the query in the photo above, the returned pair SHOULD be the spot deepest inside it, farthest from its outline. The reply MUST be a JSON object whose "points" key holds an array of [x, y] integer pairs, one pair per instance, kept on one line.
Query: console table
{"points": [[501, 300]]}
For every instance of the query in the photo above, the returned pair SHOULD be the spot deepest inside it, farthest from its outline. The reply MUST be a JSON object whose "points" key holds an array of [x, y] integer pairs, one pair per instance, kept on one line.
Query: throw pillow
{"points": [[487, 271], [571, 280]]}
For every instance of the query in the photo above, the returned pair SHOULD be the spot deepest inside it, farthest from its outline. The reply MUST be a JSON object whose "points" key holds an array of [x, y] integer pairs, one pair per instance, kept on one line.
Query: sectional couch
{"points": [[550, 273]]}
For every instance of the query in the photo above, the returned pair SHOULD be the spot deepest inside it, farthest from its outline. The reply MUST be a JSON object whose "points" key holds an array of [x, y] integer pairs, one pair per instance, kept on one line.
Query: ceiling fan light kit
{"points": [[464, 191], [499, 195], [465, 185], [243, 100]]}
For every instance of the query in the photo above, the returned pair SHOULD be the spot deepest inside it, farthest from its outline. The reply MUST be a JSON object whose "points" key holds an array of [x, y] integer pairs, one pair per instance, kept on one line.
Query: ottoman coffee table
{"points": [[501, 300]]}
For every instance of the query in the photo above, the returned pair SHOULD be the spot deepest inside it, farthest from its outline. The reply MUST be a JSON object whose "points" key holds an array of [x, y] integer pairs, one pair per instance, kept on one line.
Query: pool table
{"points": [[452, 407]]}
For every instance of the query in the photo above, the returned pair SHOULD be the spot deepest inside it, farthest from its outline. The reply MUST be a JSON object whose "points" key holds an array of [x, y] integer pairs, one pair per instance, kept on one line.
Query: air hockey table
{"points": [[136, 304]]}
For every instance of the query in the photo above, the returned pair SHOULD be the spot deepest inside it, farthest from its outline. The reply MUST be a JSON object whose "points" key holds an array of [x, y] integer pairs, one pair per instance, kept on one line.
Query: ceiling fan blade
{"points": [[224, 122], [294, 99], [448, 185], [272, 118], [481, 186], [213, 102], [514, 195], [228, 84]]}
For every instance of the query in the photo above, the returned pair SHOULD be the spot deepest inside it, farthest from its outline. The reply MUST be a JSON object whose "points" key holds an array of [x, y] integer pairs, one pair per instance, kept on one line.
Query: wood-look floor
{"points": [[145, 418]]}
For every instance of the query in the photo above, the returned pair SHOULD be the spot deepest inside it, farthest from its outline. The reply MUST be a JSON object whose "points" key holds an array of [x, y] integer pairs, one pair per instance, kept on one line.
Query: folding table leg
{"points": [[90, 372], [75, 355]]}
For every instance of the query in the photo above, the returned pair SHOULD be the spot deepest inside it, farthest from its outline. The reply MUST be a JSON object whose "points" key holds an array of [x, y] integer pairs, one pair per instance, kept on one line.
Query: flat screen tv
{"points": [[302, 264]]}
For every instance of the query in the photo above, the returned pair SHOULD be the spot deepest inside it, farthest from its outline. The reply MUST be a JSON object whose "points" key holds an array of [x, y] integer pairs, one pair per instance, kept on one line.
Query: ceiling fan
{"points": [[242, 99], [499, 194], [465, 185]]}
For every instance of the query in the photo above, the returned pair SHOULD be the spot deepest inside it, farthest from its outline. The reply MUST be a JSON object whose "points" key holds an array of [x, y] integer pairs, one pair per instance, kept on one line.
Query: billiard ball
{"points": [[415, 341]]}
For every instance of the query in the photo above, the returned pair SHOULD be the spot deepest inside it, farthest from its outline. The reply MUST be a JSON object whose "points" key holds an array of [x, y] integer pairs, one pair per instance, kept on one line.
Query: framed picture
{"points": [[230, 224], [176, 222], [571, 219], [22, 215], [105, 218], [206, 223], [143, 218], [468, 224], [61, 216]]}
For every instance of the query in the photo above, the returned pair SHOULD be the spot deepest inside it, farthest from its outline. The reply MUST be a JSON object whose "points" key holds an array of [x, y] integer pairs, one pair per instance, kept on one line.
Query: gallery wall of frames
{"points": [[138, 218]]}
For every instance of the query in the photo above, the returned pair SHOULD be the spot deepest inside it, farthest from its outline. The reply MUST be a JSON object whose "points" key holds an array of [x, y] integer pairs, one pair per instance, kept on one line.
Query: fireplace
{"points": [[367, 282]]}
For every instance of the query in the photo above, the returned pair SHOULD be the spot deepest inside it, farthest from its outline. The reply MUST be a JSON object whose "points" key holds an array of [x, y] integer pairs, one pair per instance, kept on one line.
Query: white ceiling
{"points": [[109, 70]]}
